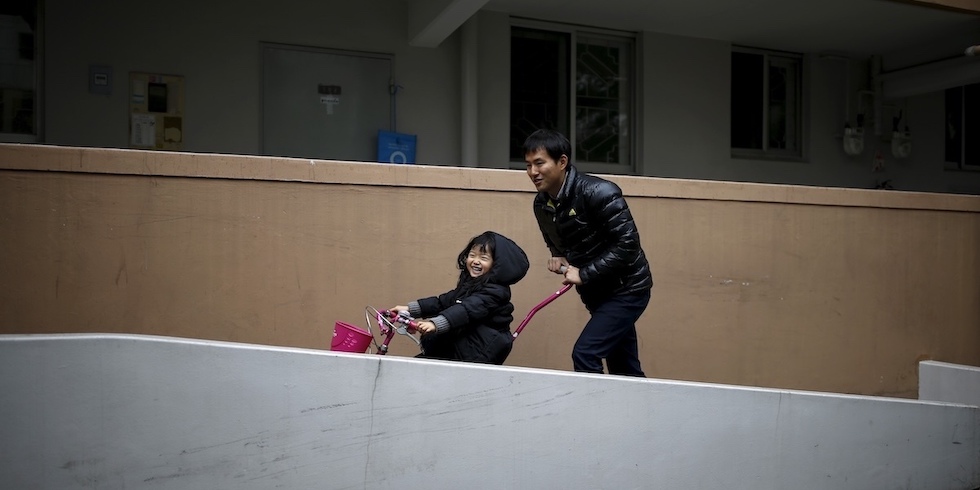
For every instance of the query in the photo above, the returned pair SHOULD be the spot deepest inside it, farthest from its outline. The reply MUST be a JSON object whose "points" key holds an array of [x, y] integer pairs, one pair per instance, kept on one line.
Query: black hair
{"points": [[551, 141], [486, 242]]}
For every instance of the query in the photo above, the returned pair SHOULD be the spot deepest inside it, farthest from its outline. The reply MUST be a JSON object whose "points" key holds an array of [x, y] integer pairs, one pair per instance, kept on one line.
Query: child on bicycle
{"points": [[472, 322]]}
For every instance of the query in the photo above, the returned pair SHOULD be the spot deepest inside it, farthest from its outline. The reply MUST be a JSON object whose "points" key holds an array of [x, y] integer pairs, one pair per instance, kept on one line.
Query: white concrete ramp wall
{"points": [[945, 382], [123, 411]]}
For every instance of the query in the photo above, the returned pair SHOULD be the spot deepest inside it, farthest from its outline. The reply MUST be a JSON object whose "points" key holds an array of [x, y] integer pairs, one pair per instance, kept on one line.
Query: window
{"points": [[767, 109], [18, 72], [962, 118], [574, 79]]}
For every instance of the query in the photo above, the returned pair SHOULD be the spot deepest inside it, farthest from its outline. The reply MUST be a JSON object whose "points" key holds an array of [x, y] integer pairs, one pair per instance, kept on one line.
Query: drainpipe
{"points": [[469, 120]]}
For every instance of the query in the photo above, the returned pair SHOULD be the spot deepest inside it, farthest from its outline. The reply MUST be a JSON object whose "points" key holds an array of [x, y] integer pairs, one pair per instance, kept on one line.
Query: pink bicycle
{"points": [[349, 338]]}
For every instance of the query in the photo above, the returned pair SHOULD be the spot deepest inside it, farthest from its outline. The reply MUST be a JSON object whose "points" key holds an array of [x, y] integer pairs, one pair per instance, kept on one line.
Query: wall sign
{"points": [[396, 147]]}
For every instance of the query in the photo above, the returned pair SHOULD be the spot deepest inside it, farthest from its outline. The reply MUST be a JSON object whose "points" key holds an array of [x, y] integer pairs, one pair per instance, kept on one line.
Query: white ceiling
{"points": [[854, 28]]}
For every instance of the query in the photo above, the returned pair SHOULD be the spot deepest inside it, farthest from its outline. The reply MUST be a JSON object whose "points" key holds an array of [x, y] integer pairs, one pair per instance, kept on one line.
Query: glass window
{"points": [[538, 84], [963, 119], [766, 104], [18, 98], [599, 106]]}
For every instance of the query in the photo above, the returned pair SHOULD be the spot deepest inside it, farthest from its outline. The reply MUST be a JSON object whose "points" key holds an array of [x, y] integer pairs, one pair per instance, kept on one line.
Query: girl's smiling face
{"points": [[479, 261]]}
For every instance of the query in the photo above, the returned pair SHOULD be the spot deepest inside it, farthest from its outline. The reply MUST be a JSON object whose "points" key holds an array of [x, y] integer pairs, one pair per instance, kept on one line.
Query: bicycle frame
{"points": [[540, 305], [406, 326]]}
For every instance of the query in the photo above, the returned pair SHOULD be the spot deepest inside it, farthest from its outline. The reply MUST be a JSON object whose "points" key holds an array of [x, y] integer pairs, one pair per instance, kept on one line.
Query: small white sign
{"points": [[144, 132], [330, 101]]}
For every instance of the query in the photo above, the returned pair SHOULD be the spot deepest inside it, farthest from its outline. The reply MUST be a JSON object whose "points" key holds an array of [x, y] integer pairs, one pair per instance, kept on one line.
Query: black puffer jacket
{"points": [[591, 226], [473, 322]]}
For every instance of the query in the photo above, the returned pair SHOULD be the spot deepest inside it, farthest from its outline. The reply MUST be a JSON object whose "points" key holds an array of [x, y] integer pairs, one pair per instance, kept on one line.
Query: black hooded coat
{"points": [[475, 324]]}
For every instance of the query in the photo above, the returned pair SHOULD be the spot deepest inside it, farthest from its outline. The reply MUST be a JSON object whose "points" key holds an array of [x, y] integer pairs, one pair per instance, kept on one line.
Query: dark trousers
{"points": [[611, 335]]}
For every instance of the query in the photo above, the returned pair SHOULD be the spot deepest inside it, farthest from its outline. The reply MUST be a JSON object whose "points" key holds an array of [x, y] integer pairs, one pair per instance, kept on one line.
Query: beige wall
{"points": [[793, 287]]}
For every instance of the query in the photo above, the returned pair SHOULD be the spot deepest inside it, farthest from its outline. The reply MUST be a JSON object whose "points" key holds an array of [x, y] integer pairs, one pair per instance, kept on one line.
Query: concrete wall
{"points": [[683, 112], [119, 411], [222, 67], [776, 286], [945, 382]]}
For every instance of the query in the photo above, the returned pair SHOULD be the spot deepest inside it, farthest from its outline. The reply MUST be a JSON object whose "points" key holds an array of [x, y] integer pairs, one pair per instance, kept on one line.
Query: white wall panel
{"points": [[945, 382], [124, 411]]}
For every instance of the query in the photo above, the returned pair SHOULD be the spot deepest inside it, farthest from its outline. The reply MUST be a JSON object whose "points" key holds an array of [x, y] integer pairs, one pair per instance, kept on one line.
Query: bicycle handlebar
{"points": [[401, 317]]}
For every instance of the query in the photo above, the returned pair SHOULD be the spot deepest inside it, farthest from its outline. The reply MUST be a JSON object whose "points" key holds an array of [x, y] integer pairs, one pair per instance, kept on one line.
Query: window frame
{"points": [[574, 31], [802, 108], [38, 104], [962, 164]]}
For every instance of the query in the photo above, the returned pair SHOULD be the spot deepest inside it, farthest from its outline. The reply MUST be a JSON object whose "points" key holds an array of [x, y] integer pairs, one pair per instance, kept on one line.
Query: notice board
{"points": [[156, 111]]}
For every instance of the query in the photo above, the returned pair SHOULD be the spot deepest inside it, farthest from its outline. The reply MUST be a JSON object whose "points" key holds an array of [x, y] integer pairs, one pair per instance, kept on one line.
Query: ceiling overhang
{"points": [[969, 6], [430, 22]]}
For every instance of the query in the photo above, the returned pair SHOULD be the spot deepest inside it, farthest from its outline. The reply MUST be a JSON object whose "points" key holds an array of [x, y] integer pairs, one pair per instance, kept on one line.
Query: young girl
{"points": [[472, 322]]}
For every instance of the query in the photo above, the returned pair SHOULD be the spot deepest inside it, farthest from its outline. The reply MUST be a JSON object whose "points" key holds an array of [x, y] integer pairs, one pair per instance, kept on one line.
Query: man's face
{"points": [[546, 174]]}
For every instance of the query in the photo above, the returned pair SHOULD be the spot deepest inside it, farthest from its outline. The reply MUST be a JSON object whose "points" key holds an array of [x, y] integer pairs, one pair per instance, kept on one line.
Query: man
{"points": [[589, 229]]}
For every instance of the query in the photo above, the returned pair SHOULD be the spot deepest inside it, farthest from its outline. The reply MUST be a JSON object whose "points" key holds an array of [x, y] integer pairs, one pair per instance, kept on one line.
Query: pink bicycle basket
{"points": [[348, 338]]}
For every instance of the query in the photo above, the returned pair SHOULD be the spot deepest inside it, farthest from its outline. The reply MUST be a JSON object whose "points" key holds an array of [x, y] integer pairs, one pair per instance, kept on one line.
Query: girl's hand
{"points": [[426, 327], [398, 309]]}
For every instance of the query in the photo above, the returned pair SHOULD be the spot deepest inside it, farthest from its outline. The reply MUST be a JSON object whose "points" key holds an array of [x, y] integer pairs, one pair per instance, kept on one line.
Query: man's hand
{"points": [[572, 277], [556, 263], [559, 265]]}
